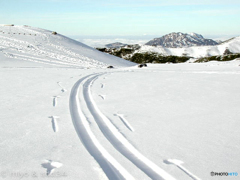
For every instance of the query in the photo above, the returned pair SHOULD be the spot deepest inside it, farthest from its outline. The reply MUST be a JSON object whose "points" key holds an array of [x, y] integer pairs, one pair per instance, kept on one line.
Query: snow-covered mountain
{"points": [[233, 45], [43, 46], [115, 45], [196, 51], [176, 40]]}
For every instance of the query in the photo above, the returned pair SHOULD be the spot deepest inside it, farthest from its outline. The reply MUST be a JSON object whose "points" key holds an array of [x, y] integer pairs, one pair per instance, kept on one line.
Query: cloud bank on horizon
{"points": [[126, 17]]}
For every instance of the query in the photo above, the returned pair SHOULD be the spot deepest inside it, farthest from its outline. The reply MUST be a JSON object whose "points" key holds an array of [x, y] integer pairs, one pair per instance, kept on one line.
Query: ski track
{"points": [[114, 136], [109, 165]]}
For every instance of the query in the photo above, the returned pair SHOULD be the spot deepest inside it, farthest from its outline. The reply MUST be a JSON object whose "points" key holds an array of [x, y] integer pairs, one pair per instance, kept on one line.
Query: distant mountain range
{"points": [[177, 44], [115, 45], [178, 40]]}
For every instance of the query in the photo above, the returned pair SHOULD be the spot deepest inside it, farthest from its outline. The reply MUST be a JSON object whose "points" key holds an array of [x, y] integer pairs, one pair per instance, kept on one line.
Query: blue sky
{"points": [[125, 17]]}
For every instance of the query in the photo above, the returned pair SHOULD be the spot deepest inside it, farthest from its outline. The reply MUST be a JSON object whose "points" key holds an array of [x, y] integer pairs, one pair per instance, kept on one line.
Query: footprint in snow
{"points": [[63, 89], [54, 123], [55, 100], [125, 122], [51, 166], [102, 96], [179, 163]]}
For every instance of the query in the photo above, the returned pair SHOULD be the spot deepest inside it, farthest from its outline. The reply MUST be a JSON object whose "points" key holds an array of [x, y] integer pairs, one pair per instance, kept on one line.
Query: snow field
{"points": [[176, 111], [28, 138], [186, 111], [120, 142], [132, 123]]}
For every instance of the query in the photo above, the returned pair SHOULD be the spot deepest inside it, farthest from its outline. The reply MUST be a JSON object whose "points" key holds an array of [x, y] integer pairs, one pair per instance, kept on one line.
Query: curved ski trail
{"points": [[119, 141], [110, 166]]}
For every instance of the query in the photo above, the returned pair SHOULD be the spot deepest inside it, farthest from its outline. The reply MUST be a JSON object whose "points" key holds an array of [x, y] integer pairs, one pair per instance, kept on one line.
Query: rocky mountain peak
{"points": [[177, 40]]}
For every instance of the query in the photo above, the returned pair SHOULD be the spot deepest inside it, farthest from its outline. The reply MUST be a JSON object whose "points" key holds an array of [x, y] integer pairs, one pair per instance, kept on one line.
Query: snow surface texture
{"points": [[196, 51], [149, 122]]}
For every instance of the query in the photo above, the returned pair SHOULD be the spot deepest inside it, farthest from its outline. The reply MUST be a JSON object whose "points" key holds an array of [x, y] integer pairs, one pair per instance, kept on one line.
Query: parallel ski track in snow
{"points": [[110, 166], [110, 132]]}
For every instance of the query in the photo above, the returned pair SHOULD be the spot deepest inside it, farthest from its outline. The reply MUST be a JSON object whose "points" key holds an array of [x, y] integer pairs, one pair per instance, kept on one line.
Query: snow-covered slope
{"points": [[197, 51], [39, 45]]}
